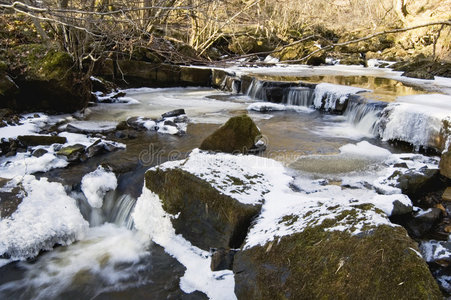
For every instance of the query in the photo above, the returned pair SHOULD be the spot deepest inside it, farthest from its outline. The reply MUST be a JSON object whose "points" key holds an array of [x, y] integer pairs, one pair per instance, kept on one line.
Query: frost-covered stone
{"points": [[333, 97], [95, 185], [46, 216]]}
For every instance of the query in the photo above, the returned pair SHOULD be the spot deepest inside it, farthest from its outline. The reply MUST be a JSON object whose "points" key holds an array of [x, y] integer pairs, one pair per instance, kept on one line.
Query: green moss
{"points": [[56, 65], [40, 62], [317, 264], [237, 135], [235, 180], [289, 220]]}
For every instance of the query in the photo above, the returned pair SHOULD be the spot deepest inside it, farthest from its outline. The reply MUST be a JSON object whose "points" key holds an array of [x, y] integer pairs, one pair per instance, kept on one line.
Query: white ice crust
{"points": [[95, 185], [45, 217]]}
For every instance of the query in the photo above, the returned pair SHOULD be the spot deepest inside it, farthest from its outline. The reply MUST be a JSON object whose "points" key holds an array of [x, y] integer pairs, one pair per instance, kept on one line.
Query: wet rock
{"points": [[330, 264], [226, 81], [10, 198], [222, 259], [72, 153], [39, 152], [420, 74], [123, 125], [169, 123], [95, 149], [196, 76], [400, 208], [205, 216], [423, 223], [101, 85], [415, 184], [401, 165], [237, 135], [108, 146], [38, 140], [447, 194], [125, 134], [118, 95], [445, 164], [173, 113]]}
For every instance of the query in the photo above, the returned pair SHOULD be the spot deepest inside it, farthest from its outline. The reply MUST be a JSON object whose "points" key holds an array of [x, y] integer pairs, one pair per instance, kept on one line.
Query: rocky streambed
{"points": [[331, 193]]}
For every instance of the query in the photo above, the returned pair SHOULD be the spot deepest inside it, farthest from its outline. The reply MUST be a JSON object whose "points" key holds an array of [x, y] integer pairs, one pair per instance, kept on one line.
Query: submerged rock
{"points": [[238, 135]]}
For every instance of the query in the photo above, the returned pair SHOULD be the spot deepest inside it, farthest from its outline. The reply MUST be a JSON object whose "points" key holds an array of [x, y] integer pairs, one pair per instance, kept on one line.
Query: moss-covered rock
{"points": [[245, 44], [205, 216], [72, 153], [237, 135], [47, 79], [383, 263], [300, 51]]}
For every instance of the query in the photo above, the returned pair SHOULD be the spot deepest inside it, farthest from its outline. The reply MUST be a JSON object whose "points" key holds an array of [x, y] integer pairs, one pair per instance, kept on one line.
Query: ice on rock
{"points": [[269, 106], [333, 93], [96, 184], [365, 149], [24, 163], [46, 216], [415, 119]]}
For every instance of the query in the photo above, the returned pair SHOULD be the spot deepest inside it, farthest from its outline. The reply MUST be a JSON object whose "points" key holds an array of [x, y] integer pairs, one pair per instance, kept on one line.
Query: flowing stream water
{"points": [[114, 261]]}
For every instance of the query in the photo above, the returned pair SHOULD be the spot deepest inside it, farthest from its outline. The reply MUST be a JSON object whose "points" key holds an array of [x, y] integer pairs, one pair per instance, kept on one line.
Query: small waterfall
{"points": [[364, 115], [121, 213], [299, 96], [256, 90], [116, 208]]}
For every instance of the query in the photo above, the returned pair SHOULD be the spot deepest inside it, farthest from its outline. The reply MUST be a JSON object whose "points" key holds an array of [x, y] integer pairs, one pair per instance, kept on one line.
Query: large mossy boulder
{"points": [[205, 216], [238, 135], [47, 79], [383, 263]]}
